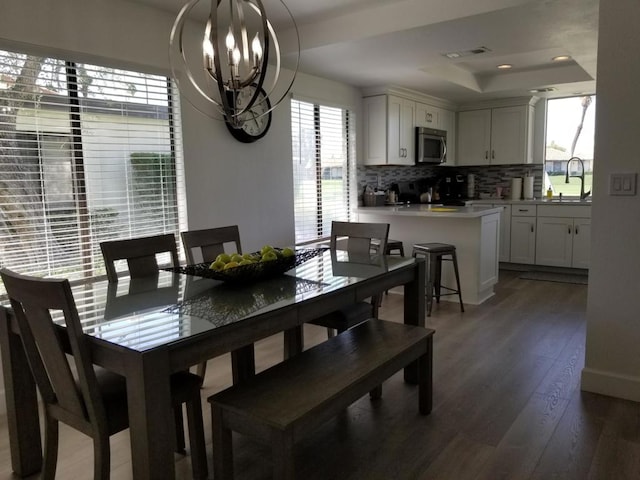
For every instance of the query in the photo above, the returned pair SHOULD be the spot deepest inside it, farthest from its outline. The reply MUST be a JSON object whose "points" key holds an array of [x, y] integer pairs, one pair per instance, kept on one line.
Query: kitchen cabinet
{"points": [[563, 236], [523, 234], [495, 136], [389, 130], [427, 116], [504, 238]]}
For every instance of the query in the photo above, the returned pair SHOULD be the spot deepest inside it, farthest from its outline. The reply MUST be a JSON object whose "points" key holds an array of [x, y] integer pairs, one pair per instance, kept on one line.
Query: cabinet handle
{"points": [[493, 154], [577, 231], [531, 228], [486, 154], [569, 229], [404, 152]]}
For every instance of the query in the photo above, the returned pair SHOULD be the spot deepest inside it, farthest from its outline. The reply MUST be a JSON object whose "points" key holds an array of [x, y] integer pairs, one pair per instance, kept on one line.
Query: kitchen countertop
{"points": [[432, 210], [539, 201]]}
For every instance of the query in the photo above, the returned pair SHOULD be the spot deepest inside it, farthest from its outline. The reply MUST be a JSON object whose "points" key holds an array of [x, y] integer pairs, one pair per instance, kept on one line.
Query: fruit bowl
{"points": [[252, 272]]}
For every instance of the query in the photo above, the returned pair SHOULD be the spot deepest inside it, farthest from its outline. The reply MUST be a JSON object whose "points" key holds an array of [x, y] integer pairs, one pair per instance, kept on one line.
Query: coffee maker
{"points": [[453, 188]]}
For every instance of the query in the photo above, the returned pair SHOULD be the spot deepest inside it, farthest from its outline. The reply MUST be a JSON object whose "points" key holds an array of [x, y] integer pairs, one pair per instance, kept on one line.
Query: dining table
{"points": [[146, 329]]}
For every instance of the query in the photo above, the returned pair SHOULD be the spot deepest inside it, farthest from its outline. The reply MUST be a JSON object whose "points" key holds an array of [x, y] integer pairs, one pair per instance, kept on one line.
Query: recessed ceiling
{"points": [[377, 43]]}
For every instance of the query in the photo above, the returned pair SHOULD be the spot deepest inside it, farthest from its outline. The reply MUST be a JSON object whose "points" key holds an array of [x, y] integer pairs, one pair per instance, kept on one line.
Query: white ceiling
{"points": [[375, 43]]}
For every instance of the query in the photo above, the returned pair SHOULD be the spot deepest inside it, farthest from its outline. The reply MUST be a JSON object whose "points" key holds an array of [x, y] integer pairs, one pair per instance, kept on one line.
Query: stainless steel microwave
{"points": [[431, 145]]}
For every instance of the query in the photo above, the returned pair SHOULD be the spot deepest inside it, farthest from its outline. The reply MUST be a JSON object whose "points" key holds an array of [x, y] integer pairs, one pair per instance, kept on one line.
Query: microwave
{"points": [[431, 145]]}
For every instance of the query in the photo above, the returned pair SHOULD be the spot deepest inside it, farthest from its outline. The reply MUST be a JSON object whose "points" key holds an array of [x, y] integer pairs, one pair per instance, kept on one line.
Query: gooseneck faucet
{"points": [[583, 194]]}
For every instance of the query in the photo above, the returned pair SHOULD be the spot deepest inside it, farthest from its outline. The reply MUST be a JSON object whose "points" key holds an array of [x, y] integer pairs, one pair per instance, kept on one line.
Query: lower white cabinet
{"points": [[563, 242], [523, 234]]}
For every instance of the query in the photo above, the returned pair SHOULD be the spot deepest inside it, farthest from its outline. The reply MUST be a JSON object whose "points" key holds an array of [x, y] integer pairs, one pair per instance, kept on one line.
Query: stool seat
{"points": [[434, 247], [435, 253]]}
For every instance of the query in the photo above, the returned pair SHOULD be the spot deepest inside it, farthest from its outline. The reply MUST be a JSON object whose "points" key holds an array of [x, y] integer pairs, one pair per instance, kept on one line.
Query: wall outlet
{"points": [[622, 184]]}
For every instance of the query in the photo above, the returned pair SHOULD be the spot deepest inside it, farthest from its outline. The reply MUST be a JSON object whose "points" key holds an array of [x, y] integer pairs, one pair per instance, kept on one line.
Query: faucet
{"points": [[583, 194]]}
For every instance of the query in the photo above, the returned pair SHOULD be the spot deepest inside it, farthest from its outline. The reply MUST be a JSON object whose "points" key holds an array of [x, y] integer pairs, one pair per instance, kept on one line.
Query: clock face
{"points": [[255, 122]]}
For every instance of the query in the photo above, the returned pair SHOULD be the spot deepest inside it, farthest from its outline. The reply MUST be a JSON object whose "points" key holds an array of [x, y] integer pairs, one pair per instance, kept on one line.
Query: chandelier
{"points": [[239, 72]]}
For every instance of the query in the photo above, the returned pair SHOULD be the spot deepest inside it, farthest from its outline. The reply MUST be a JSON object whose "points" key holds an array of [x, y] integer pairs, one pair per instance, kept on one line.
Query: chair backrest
{"points": [[140, 254], [78, 403], [210, 241], [356, 237]]}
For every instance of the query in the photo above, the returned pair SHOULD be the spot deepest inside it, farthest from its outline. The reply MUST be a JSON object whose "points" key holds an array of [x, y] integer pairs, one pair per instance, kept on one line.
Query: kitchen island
{"points": [[474, 230]]}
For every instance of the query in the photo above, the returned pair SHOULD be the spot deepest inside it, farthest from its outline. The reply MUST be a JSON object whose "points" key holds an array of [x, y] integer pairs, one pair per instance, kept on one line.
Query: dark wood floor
{"points": [[507, 405]]}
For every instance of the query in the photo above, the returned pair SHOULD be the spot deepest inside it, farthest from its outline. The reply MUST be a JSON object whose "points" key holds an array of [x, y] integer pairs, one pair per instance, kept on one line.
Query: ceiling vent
{"points": [[466, 53]]}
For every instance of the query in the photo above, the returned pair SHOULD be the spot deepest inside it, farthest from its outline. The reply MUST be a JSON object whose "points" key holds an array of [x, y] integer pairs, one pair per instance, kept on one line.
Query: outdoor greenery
{"points": [[573, 188]]}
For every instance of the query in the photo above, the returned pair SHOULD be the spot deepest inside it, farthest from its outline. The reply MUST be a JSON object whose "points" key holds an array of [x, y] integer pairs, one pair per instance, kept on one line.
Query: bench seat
{"points": [[284, 403]]}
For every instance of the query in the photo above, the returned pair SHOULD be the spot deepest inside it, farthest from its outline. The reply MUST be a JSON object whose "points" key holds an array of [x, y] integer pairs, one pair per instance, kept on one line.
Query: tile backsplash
{"points": [[487, 177]]}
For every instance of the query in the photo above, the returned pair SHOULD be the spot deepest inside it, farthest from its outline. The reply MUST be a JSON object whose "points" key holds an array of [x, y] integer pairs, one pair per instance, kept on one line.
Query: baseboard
{"points": [[611, 384], [521, 267]]}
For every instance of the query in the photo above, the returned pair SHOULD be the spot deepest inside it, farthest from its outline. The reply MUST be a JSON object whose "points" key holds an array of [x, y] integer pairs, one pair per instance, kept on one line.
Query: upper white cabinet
{"points": [[427, 116], [389, 130], [496, 136]]}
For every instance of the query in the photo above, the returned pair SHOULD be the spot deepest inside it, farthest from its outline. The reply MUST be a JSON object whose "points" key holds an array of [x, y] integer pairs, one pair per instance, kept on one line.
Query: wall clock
{"points": [[256, 122]]}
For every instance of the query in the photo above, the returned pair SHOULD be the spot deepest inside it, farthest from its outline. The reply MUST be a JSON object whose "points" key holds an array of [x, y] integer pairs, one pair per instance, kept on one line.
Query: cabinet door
{"points": [[510, 135], [523, 240], [375, 130], [447, 120], [400, 133], [581, 242], [554, 241], [474, 137], [505, 232], [427, 116]]}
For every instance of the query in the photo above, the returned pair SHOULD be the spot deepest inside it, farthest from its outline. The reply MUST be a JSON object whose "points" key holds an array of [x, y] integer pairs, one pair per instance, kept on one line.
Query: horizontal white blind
{"points": [[323, 166], [87, 154]]}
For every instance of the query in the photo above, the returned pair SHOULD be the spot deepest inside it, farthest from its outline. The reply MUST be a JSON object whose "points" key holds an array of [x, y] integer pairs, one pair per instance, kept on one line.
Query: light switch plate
{"points": [[622, 184]]}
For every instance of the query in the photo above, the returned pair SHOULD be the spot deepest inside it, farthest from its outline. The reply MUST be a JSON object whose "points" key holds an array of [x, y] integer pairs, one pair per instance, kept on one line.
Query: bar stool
{"points": [[435, 253]]}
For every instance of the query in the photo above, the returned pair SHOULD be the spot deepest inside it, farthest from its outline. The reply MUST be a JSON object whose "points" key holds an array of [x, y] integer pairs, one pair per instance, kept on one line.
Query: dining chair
{"points": [[356, 239], [140, 254], [91, 400], [210, 243]]}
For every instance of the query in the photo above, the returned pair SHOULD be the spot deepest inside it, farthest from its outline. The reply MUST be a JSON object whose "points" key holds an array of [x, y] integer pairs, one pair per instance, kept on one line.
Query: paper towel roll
{"points": [[516, 188], [528, 188]]}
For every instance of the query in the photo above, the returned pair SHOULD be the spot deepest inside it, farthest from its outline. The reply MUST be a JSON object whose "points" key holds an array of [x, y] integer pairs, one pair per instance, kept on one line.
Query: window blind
{"points": [[323, 167], [88, 153]]}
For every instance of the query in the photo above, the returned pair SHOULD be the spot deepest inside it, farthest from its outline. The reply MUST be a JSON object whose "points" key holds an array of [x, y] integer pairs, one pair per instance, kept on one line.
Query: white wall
{"points": [[613, 326]]}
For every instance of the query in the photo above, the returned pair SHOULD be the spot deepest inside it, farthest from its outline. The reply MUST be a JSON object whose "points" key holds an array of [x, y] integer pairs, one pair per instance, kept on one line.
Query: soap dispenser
{"points": [[549, 193]]}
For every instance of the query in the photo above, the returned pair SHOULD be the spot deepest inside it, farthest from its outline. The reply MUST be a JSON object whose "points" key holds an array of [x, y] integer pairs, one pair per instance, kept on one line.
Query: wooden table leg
{"points": [[151, 419], [22, 403], [293, 341], [243, 363], [414, 311]]}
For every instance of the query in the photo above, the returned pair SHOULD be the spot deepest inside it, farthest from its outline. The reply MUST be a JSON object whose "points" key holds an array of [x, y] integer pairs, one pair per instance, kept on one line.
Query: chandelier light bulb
{"points": [[256, 46], [230, 40]]}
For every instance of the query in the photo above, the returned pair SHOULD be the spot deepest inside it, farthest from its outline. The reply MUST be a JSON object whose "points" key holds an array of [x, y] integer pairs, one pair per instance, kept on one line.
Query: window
{"points": [[87, 154], [570, 133], [323, 168]]}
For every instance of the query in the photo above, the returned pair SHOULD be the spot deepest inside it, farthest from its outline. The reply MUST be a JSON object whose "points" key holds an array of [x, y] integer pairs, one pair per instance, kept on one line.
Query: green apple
{"points": [[224, 258], [217, 265], [236, 257], [246, 261], [266, 248], [288, 252], [269, 256], [229, 265], [249, 256]]}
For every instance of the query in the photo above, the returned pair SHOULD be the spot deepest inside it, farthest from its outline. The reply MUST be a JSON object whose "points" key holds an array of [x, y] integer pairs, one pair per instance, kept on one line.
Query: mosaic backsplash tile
{"points": [[487, 177]]}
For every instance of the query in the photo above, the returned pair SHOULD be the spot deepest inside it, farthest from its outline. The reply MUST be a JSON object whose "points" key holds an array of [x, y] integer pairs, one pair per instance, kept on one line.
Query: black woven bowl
{"points": [[252, 272]]}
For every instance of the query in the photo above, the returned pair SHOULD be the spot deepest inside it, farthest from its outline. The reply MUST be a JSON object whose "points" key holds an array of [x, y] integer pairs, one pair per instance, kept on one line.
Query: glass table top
{"points": [[141, 314]]}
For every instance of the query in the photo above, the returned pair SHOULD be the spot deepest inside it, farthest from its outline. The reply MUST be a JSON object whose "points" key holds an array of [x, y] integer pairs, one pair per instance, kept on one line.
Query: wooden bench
{"points": [[282, 404]]}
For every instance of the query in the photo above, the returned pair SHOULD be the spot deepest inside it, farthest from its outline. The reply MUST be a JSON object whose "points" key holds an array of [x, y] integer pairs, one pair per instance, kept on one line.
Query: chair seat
{"points": [[184, 386]]}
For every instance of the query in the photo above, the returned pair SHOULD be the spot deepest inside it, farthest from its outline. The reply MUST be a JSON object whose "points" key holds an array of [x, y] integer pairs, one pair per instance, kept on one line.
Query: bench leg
{"points": [[222, 446], [376, 392], [425, 379], [282, 453]]}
